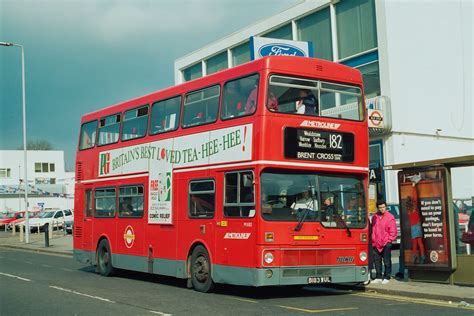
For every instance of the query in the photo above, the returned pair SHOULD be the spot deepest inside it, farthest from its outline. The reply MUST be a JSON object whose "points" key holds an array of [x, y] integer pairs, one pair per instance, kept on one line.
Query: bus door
{"points": [[87, 220], [236, 224]]}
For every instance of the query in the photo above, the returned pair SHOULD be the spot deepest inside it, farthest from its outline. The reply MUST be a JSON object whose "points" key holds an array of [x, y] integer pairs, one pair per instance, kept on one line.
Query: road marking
{"points": [[244, 300], [16, 277], [81, 294], [160, 313], [28, 262], [318, 310], [412, 300], [68, 270], [46, 266]]}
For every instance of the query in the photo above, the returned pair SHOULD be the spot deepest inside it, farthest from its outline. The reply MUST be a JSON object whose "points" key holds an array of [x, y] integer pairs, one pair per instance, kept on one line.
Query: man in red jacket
{"points": [[384, 232]]}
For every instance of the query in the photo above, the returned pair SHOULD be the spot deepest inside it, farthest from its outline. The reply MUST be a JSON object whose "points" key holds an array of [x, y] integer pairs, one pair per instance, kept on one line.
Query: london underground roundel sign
{"points": [[129, 236]]}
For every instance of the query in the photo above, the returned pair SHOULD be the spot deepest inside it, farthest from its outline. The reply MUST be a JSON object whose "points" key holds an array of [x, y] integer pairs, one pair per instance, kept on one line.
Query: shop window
{"points": [[165, 115], [284, 32], [216, 63], [239, 194], [105, 202], [131, 201], [109, 129], [192, 72], [356, 27], [240, 54], [88, 133], [135, 123], [200, 107], [240, 97], [316, 28], [202, 199]]}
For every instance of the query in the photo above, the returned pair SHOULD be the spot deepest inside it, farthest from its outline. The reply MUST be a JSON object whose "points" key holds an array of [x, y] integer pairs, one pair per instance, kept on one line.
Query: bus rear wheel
{"points": [[201, 270], [104, 258]]}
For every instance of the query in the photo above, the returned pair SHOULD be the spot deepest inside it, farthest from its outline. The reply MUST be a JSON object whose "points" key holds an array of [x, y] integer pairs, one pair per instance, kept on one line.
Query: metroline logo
{"points": [[318, 124], [104, 164], [237, 235]]}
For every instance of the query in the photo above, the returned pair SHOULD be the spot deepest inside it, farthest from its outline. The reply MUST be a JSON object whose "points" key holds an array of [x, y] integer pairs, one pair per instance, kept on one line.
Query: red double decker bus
{"points": [[254, 175]]}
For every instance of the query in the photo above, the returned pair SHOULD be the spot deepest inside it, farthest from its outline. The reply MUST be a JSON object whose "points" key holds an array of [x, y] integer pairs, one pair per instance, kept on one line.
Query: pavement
{"points": [[61, 244]]}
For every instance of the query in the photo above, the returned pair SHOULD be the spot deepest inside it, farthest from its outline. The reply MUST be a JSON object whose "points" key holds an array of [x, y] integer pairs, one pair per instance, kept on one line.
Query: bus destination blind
{"points": [[318, 145]]}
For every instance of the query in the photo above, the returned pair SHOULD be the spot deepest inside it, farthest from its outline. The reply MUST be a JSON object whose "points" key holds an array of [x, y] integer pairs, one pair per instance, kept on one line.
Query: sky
{"points": [[81, 56]]}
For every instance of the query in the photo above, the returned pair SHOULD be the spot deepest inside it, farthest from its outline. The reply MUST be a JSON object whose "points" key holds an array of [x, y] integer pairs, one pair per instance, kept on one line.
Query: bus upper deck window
{"points": [[200, 107], [135, 123], [165, 115], [240, 97], [109, 129], [88, 135]]}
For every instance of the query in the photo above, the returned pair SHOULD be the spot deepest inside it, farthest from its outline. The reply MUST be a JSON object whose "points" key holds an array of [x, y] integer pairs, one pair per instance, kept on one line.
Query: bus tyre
{"points": [[104, 258], [201, 270]]}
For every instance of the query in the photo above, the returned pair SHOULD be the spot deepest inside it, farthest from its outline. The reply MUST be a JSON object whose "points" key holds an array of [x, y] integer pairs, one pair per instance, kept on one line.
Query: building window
{"points": [[200, 107], [165, 115], [216, 63], [371, 77], [202, 195], [88, 132], [192, 72], [131, 201], [135, 123], [52, 181], [44, 167], [239, 194], [5, 173], [109, 129], [240, 97], [105, 202], [284, 32], [356, 27], [316, 28], [241, 54]]}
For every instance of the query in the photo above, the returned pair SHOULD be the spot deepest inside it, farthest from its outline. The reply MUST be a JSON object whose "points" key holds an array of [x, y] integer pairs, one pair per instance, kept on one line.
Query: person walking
{"points": [[384, 232]]}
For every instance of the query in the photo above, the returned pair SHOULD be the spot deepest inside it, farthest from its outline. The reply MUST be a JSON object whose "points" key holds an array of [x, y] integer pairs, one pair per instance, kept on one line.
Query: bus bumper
{"points": [[289, 275]]}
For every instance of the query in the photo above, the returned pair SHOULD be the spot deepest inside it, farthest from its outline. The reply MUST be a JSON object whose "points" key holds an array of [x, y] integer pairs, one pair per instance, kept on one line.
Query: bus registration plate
{"points": [[319, 280]]}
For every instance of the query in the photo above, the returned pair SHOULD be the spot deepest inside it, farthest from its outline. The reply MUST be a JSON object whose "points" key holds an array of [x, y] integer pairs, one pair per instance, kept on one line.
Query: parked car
{"points": [[10, 217], [69, 226], [55, 218], [395, 210]]}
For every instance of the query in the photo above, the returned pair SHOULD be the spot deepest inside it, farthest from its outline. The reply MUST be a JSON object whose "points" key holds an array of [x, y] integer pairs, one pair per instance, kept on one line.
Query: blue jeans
{"points": [[386, 256]]}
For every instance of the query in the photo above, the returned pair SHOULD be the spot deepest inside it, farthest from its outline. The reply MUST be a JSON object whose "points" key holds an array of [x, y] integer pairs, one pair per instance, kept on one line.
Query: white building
{"points": [[416, 60], [49, 185]]}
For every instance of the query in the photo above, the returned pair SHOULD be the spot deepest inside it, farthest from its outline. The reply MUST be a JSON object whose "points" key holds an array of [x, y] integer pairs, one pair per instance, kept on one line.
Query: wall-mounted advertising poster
{"points": [[424, 219]]}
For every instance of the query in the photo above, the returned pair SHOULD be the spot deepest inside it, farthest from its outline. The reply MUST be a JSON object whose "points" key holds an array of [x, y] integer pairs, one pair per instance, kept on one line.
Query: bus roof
{"points": [[303, 66]]}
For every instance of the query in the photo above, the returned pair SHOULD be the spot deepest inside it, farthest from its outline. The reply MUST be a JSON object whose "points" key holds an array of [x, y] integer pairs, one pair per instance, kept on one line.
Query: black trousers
{"points": [[386, 256]]}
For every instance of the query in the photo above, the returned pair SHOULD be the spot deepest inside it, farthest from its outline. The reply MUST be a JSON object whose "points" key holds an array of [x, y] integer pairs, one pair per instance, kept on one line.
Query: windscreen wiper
{"points": [[344, 224], [300, 222]]}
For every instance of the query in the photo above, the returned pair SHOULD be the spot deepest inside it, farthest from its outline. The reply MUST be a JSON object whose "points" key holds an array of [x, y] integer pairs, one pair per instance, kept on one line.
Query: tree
{"points": [[38, 145]]}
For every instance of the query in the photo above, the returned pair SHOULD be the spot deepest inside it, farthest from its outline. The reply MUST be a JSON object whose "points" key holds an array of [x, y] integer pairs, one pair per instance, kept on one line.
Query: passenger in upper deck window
{"points": [[272, 102], [307, 103], [251, 104]]}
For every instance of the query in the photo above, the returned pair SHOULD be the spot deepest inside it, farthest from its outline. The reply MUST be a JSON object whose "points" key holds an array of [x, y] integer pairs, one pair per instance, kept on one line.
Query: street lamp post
{"points": [[27, 215]]}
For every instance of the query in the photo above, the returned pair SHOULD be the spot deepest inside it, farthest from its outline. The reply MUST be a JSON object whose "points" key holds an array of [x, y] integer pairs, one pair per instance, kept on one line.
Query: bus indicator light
{"points": [[269, 237]]}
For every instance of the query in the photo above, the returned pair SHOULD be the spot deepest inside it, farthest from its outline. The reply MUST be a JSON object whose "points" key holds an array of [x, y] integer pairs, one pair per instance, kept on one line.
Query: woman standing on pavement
{"points": [[384, 232]]}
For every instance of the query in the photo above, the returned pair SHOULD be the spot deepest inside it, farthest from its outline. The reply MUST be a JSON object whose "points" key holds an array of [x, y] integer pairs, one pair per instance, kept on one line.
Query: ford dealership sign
{"points": [[262, 46]]}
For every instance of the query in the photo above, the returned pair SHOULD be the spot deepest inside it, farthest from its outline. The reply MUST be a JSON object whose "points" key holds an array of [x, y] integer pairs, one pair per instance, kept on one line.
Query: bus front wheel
{"points": [[104, 258], [201, 270]]}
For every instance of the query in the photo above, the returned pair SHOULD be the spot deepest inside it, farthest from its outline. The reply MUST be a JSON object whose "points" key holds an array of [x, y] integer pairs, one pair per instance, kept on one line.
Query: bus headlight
{"points": [[363, 256], [268, 258]]}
